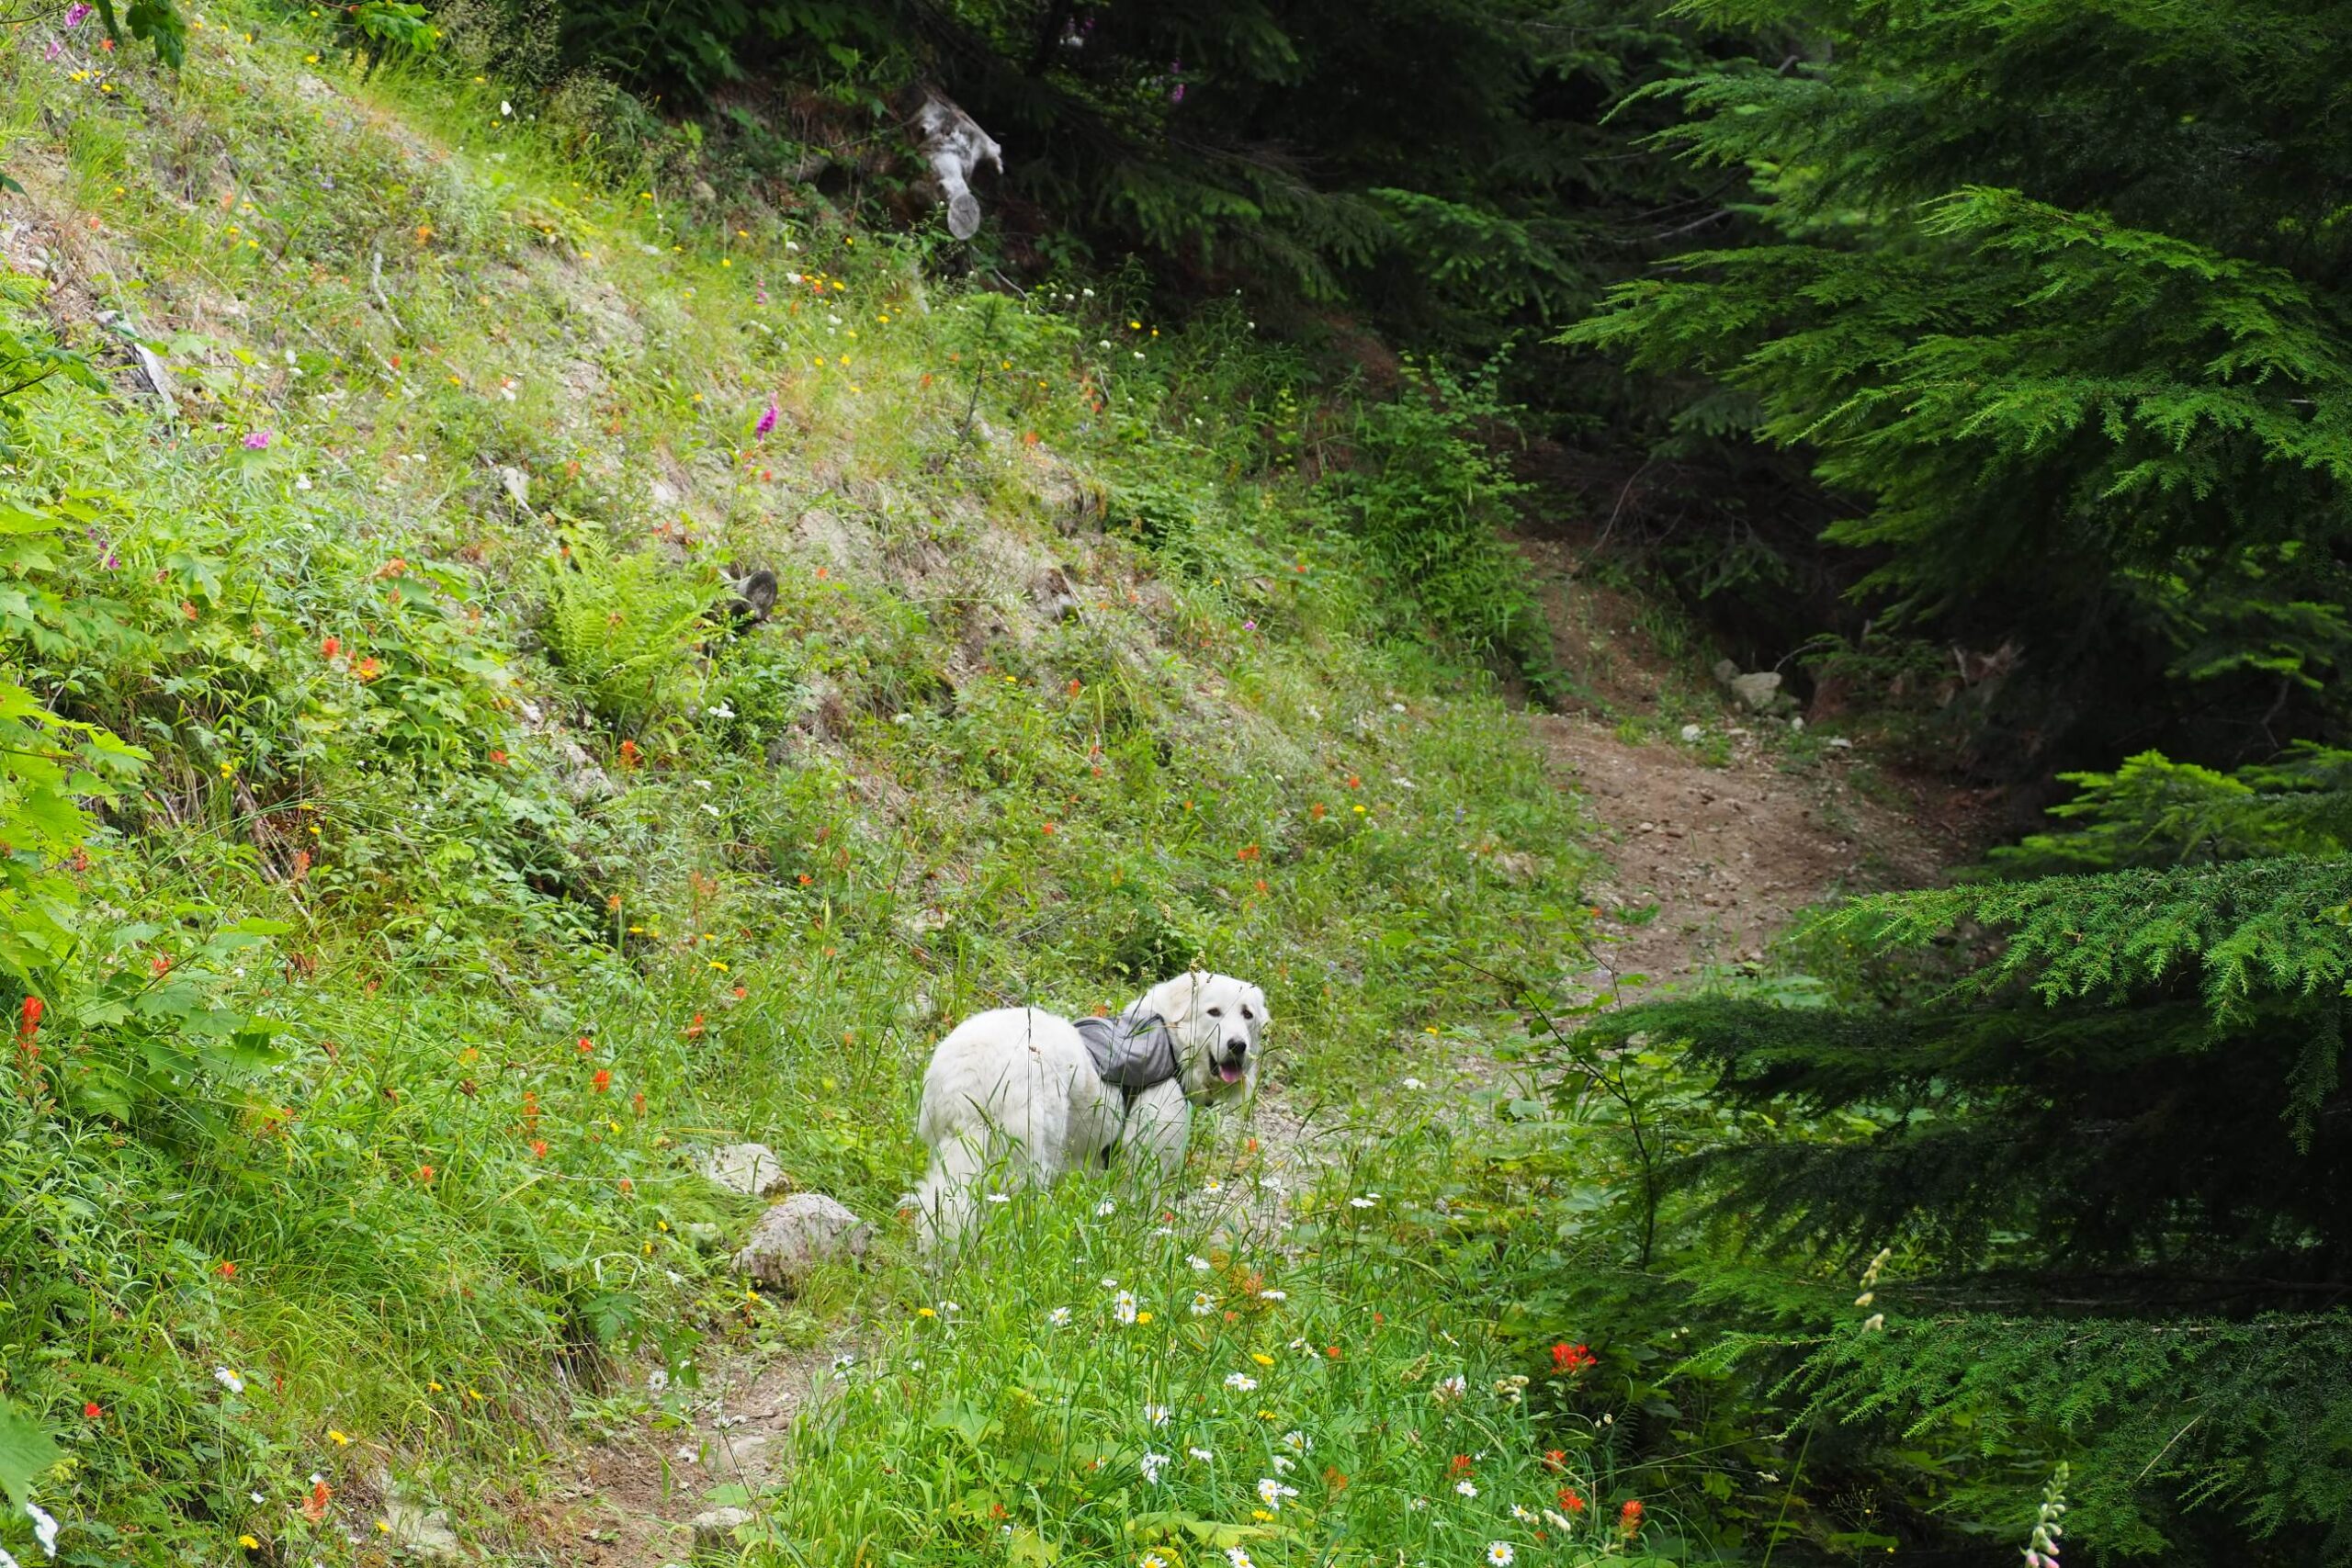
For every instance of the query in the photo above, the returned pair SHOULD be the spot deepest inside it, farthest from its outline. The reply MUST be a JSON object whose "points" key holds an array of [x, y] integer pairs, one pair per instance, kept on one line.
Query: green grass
{"points": [[432, 942], [1107, 1381]]}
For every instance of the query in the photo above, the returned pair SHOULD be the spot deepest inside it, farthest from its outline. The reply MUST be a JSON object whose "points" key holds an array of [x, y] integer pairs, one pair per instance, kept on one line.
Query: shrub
{"points": [[625, 628], [1430, 501]]}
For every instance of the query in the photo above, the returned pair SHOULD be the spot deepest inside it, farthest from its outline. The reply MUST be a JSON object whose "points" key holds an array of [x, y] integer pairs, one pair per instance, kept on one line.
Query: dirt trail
{"points": [[636, 1496], [1726, 852], [1728, 837]]}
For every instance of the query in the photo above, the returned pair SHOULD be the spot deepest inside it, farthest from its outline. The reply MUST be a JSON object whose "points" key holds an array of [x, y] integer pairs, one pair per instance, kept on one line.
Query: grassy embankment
{"points": [[477, 876]]}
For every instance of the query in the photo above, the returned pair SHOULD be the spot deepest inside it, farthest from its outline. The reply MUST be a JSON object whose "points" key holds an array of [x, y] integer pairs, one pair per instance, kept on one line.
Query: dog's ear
{"points": [[1172, 1000]]}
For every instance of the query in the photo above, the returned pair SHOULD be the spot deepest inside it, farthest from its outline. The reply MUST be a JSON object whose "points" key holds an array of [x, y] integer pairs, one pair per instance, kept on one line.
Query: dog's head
{"points": [[1216, 1021]]}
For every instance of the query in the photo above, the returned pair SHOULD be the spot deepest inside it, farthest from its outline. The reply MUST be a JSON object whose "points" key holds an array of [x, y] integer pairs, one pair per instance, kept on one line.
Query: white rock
{"points": [[796, 1234], [1692, 732], [1756, 690], [715, 1528], [419, 1532], [751, 1168]]}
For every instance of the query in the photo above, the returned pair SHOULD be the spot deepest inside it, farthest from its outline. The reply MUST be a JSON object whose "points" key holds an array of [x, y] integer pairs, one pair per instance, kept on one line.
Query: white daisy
{"points": [[1152, 1464], [1499, 1553], [1059, 1317], [1201, 1454], [1202, 1304], [1199, 1265], [1466, 1487], [1156, 1413], [1126, 1306], [228, 1379], [1240, 1382], [1271, 1492]]}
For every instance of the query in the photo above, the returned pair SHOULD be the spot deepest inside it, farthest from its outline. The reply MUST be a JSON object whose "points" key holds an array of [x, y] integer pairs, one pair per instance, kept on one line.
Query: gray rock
{"points": [[421, 1532], [751, 1168], [796, 1234], [715, 1528], [1757, 691]]}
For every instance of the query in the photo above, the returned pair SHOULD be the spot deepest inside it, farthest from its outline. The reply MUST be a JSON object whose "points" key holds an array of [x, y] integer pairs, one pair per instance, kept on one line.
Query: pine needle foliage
{"points": [[2108, 1141], [2155, 811], [2058, 299]]}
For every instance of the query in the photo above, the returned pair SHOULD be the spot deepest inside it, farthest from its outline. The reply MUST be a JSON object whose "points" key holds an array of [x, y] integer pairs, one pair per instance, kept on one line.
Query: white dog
{"points": [[1042, 1095]]}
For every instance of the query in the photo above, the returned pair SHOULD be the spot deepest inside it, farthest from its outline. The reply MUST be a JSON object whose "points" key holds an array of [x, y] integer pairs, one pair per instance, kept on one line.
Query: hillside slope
{"points": [[480, 870]]}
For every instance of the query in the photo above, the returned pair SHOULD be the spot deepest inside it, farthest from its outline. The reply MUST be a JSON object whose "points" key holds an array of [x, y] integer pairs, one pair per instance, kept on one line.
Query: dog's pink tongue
{"points": [[1229, 1071]]}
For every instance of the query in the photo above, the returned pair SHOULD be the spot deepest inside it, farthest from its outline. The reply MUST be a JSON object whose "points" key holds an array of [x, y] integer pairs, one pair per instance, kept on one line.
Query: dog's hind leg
{"points": [[944, 1204]]}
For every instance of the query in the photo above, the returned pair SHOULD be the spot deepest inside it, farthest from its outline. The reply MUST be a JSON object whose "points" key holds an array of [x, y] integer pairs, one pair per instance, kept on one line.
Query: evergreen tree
{"points": [[2059, 298], [1446, 166], [2108, 1137]]}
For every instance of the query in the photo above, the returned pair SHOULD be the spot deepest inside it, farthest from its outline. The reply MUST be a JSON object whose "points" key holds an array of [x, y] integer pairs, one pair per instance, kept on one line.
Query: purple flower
{"points": [[1249, 626], [767, 421], [54, 49], [76, 14], [257, 441]]}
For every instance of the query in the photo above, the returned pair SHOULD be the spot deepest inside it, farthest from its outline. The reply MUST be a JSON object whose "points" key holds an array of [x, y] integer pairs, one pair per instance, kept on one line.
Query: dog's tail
{"points": [[945, 1200]]}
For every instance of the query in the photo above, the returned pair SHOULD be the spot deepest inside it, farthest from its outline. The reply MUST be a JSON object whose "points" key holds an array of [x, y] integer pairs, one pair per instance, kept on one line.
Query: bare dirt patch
{"points": [[636, 1495], [1710, 858]]}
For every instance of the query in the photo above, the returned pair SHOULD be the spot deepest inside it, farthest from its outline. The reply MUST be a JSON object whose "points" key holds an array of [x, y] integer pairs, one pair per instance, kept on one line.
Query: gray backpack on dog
{"points": [[1132, 1051]]}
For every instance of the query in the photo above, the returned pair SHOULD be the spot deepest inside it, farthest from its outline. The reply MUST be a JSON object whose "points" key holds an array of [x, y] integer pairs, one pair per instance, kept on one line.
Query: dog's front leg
{"points": [[1158, 1126]]}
